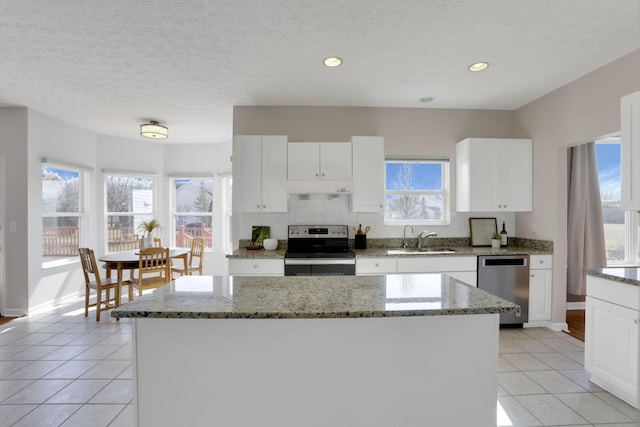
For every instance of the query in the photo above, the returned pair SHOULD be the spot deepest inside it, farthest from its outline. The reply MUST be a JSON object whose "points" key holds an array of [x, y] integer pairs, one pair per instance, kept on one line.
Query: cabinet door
{"points": [[303, 161], [484, 175], [611, 348], [516, 175], [274, 176], [247, 170], [540, 294], [368, 174], [630, 147], [335, 161]]}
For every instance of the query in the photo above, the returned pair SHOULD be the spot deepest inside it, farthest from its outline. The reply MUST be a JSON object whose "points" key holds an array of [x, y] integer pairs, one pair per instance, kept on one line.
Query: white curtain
{"points": [[585, 241]]}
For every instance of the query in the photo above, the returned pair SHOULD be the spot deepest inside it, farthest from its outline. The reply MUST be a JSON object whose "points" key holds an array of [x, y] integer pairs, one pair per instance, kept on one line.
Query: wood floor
{"points": [[575, 320], [4, 320]]}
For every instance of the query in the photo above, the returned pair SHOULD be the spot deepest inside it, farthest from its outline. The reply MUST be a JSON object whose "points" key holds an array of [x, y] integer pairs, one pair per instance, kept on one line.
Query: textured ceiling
{"points": [[111, 65]]}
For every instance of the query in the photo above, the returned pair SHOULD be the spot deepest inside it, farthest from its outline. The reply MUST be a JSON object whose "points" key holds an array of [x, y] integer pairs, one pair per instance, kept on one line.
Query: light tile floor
{"points": [[62, 369]]}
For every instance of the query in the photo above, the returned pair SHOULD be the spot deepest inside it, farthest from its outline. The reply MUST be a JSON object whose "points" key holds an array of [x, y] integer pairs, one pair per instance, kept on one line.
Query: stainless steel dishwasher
{"points": [[507, 276]]}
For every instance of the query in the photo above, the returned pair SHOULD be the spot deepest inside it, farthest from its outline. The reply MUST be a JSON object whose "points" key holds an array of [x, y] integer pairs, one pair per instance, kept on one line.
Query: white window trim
{"points": [[83, 195], [446, 192], [172, 202]]}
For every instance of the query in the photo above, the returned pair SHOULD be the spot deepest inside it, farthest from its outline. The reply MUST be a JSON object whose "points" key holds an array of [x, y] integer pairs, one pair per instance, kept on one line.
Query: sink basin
{"points": [[421, 251]]}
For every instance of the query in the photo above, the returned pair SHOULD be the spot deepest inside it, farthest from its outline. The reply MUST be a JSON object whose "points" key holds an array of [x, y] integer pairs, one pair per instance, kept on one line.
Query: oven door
{"points": [[319, 267]]}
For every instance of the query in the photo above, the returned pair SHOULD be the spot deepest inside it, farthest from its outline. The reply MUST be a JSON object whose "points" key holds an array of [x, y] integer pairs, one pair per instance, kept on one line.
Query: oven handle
{"points": [[324, 261]]}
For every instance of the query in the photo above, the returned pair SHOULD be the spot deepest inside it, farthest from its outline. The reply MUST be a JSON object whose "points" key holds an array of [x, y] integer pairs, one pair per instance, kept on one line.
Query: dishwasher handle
{"points": [[504, 261]]}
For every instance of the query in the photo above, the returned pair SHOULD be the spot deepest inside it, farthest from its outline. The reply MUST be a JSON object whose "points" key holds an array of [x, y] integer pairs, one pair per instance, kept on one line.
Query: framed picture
{"points": [[482, 230], [259, 233]]}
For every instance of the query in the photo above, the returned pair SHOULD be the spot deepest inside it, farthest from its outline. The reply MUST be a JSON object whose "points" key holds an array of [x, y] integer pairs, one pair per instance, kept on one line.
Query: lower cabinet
{"points": [[540, 287], [256, 267], [611, 337]]}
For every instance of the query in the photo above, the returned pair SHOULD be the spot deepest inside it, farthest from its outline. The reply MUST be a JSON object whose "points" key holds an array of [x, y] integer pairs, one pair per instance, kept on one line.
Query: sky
{"points": [[609, 169]]}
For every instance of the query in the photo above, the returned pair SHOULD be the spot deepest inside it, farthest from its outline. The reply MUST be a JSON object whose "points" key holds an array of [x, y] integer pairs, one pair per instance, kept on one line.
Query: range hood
{"points": [[318, 187]]}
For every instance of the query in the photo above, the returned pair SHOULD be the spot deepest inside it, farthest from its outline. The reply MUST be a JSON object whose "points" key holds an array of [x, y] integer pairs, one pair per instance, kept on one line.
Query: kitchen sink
{"points": [[420, 251]]}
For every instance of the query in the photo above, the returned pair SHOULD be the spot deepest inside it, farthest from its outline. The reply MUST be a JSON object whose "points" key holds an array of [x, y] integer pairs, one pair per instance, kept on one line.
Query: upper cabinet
{"points": [[260, 172], [494, 175], [368, 174], [630, 147], [324, 161]]}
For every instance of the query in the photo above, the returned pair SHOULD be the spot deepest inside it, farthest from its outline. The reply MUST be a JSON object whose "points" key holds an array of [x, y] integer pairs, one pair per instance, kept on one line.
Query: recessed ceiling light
{"points": [[332, 61], [478, 66], [427, 99]]}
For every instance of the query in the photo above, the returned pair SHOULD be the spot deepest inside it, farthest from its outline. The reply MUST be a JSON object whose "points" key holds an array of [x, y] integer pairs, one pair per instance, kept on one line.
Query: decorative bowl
{"points": [[270, 244]]}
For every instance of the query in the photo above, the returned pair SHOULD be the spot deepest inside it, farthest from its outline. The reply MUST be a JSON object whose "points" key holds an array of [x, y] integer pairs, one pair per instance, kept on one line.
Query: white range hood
{"points": [[318, 187]]}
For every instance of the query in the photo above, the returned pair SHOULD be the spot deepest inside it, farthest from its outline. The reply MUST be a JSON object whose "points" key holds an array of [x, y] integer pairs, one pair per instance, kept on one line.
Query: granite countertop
{"points": [[310, 297], [629, 275], [243, 253]]}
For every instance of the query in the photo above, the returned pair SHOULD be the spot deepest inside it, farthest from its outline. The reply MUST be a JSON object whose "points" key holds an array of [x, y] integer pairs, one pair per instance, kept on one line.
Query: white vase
{"points": [[495, 243], [147, 241]]}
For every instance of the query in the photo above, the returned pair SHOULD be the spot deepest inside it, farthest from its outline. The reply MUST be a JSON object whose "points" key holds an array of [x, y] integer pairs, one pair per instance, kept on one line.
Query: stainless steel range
{"points": [[319, 250]]}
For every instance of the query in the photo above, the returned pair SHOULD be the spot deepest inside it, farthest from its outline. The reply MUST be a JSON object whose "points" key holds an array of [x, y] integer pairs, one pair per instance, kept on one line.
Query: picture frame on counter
{"points": [[482, 230]]}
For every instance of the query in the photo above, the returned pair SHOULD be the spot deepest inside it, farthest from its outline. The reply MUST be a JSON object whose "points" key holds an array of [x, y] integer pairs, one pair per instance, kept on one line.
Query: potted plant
{"points": [[495, 241], [146, 228]]}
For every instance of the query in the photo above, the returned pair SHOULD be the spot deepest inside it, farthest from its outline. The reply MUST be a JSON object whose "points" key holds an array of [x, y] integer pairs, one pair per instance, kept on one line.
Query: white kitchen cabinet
{"points": [[494, 175], [630, 151], [611, 337], [311, 161], [368, 174], [461, 268], [256, 267], [259, 172], [381, 265], [540, 287]]}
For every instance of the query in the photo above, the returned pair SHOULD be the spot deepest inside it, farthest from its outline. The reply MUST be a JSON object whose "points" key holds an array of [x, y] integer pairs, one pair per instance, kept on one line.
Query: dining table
{"points": [[130, 260]]}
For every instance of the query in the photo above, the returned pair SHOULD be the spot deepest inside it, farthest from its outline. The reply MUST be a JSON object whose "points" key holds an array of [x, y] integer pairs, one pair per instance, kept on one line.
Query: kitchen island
{"points": [[402, 350]]}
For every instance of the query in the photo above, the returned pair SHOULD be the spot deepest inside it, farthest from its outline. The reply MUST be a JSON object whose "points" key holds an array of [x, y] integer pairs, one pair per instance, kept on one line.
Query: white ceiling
{"points": [[111, 65]]}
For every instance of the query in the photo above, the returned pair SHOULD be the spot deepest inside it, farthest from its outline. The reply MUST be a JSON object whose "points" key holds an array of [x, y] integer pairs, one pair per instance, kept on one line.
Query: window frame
{"points": [[445, 191], [133, 214], [631, 223], [81, 214], [175, 214]]}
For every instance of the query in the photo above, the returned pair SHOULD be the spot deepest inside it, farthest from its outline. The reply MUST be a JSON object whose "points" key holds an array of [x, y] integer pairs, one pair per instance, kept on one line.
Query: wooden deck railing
{"points": [[64, 241]]}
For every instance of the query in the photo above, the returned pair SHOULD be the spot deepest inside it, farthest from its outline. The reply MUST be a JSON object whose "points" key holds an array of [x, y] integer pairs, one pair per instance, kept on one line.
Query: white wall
{"points": [[580, 112], [49, 137], [13, 150]]}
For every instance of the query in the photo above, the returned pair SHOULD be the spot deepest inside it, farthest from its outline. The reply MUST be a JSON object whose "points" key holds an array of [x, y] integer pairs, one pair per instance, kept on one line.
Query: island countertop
{"points": [[628, 275], [291, 297]]}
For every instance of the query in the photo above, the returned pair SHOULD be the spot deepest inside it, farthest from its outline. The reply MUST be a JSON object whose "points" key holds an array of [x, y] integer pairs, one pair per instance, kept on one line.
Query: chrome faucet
{"points": [[404, 236], [422, 237]]}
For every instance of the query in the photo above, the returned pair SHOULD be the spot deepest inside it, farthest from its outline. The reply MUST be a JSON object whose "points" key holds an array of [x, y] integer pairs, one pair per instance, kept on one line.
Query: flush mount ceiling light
{"points": [[154, 130], [332, 61], [478, 66]]}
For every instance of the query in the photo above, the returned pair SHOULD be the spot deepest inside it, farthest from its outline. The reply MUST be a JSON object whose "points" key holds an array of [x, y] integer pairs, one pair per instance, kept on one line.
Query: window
{"points": [[621, 229], [416, 192], [192, 210], [130, 200], [63, 213]]}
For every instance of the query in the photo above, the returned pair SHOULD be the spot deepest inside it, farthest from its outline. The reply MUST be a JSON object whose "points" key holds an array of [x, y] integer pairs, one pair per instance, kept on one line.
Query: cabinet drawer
{"points": [[430, 264], [376, 265], [539, 262], [614, 292], [256, 267]]}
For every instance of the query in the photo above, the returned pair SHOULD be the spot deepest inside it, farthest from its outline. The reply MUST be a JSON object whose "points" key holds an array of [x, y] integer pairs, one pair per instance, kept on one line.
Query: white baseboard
{"points": [[576, 305], [14, 312], [554, 326]]}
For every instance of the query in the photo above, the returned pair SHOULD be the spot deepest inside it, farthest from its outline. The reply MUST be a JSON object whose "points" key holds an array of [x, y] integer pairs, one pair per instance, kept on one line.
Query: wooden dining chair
{"points": [[157, 242], [154, 269], [94, 281], [197, 253]]}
